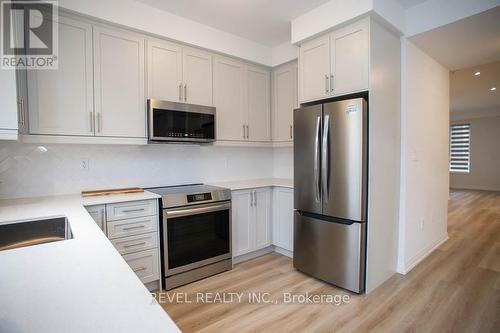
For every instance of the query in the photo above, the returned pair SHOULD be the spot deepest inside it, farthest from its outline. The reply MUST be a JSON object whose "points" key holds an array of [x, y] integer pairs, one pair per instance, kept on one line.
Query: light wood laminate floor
{"points": [[455, 289]]}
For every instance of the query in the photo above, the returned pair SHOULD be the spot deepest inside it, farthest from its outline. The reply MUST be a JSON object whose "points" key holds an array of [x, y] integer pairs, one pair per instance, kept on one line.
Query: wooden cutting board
{"points": [[112, 191]]}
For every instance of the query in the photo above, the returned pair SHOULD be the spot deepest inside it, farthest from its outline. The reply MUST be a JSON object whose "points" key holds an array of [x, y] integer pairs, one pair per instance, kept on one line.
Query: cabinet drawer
{"points": [[144, 264], [136, 243], [130, 227], [126, 210]]}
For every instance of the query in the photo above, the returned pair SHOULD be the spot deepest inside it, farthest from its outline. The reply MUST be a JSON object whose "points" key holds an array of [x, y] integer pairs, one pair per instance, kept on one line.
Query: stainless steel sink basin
{"points": [[32, 232]]}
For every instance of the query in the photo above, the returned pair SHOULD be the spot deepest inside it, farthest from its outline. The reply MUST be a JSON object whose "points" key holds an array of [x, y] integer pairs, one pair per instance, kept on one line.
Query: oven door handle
{"points": [[196, 210]]}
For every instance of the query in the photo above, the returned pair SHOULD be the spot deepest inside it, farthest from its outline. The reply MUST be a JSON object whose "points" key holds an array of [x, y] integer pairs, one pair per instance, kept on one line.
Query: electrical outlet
{"points": [[84, 164]]}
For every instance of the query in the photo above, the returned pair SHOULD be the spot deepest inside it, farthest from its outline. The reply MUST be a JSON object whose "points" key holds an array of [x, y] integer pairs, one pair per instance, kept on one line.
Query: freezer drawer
{"points": [[330, 251]]}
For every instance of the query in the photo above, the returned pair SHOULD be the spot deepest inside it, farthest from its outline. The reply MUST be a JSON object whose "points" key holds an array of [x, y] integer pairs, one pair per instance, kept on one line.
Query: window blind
{"points": [[460, 148]]}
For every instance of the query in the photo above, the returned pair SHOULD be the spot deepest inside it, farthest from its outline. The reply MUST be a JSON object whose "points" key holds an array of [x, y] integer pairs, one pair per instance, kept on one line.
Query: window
{"points": [[460, 148]]}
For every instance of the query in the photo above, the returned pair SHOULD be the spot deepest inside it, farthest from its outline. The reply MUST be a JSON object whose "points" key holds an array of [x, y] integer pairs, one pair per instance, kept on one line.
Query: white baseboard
{"points": [[253, 255], [417, 259], [283, 251], [477, 188]]}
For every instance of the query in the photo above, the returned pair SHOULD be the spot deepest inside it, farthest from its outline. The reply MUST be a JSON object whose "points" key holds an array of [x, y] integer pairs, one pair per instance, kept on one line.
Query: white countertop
{"points": [[78, 285], [255, 183]]}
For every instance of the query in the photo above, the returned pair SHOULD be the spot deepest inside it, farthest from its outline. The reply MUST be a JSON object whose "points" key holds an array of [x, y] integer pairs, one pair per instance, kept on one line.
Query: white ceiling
{"points": [[264, 21], [471, 41], [410, 3], [470, 93]]}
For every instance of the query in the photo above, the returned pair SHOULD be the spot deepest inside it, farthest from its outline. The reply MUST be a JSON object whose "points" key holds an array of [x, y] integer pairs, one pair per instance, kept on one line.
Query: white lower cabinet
{"points": [[98, 213], [251, 220], [132, 228], [262, 217], [283, 218]]}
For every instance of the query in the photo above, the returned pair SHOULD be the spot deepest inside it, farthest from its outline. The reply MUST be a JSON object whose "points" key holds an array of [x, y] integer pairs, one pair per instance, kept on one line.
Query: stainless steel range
{"points": [[195, 232]]}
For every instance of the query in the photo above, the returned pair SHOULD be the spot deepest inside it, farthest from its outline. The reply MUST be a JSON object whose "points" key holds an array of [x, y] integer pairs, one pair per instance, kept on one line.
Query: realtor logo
{"points": [[29, 38]]}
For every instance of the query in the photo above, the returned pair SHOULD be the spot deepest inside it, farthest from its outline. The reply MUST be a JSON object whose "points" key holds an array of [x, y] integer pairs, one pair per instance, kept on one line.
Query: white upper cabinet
{"points": [[164, 71], [197, 77], [229, 91], [349, 59], [61, 101], [258, 104], [285, 100], [120, 102], [242, 100], [344, 70], [179, 74], [314, 75], [8, 105]]}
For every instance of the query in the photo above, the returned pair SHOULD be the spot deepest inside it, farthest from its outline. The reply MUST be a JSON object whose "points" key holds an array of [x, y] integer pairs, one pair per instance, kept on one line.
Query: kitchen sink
{"points": [[33, 232]]}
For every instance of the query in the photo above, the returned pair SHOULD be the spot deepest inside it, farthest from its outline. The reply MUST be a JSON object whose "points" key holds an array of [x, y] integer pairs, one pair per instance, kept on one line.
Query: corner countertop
{"points": [[255, 183], [78, 285]]}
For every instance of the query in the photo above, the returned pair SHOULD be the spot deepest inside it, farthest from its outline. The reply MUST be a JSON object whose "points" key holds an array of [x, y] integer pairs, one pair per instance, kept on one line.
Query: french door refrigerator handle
{"points": [[325, 161], [316, 159]]}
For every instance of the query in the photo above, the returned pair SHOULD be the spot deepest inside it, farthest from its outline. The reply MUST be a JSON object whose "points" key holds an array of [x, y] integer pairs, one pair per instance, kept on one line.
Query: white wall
{"points": [[284, 53], [424, 156], [283, 162], [485, 156], [142, 17], [27, 172]]}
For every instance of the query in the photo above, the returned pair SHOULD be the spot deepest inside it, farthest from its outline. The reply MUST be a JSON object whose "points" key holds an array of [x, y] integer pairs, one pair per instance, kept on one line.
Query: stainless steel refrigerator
{"points": [[330, 190]]}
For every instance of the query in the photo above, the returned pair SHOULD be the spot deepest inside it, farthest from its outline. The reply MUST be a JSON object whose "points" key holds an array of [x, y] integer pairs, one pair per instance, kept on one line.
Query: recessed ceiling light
{"points": [[493, 88], [477, 73]]}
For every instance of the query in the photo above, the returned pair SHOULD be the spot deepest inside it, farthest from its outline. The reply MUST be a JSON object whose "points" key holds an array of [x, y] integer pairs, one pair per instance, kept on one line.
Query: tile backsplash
{"points": [[28, 170]]}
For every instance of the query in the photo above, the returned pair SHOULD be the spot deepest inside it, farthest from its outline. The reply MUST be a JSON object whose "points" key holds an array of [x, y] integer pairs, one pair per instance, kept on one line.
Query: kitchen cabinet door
{"points": [[98, 213], [283, 218], [350, 59], [120, 102], [314, 69], [8, 105], [258, 104], [262, 217], [60, 101], [242, 226], [197, 77], [164, 71], [229, 91], [284, 101]]}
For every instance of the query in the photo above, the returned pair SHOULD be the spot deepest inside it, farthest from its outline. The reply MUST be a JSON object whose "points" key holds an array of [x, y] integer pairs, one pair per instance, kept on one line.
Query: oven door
{"points": [[196, 236]]}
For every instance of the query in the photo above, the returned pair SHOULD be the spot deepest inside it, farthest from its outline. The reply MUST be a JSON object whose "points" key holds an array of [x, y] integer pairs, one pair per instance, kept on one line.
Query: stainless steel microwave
{"points": [[180, 122]]}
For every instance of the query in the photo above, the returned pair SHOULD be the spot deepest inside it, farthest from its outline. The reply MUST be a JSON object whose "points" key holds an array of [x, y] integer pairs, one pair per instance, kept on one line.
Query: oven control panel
{"points": [[199, 197]]}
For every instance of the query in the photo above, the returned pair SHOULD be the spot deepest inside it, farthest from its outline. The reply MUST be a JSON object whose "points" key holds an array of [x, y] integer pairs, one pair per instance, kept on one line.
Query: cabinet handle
{"points": [[185, 92], [21, 111], [91, 115], [255, 196], [133, 228], [133, 210], [143, 268], [327, 89], [251, 199], [331, 82], [248, 132], [291, 131], [99, 125], [180, 91], [244, 132], [136, 244]]}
